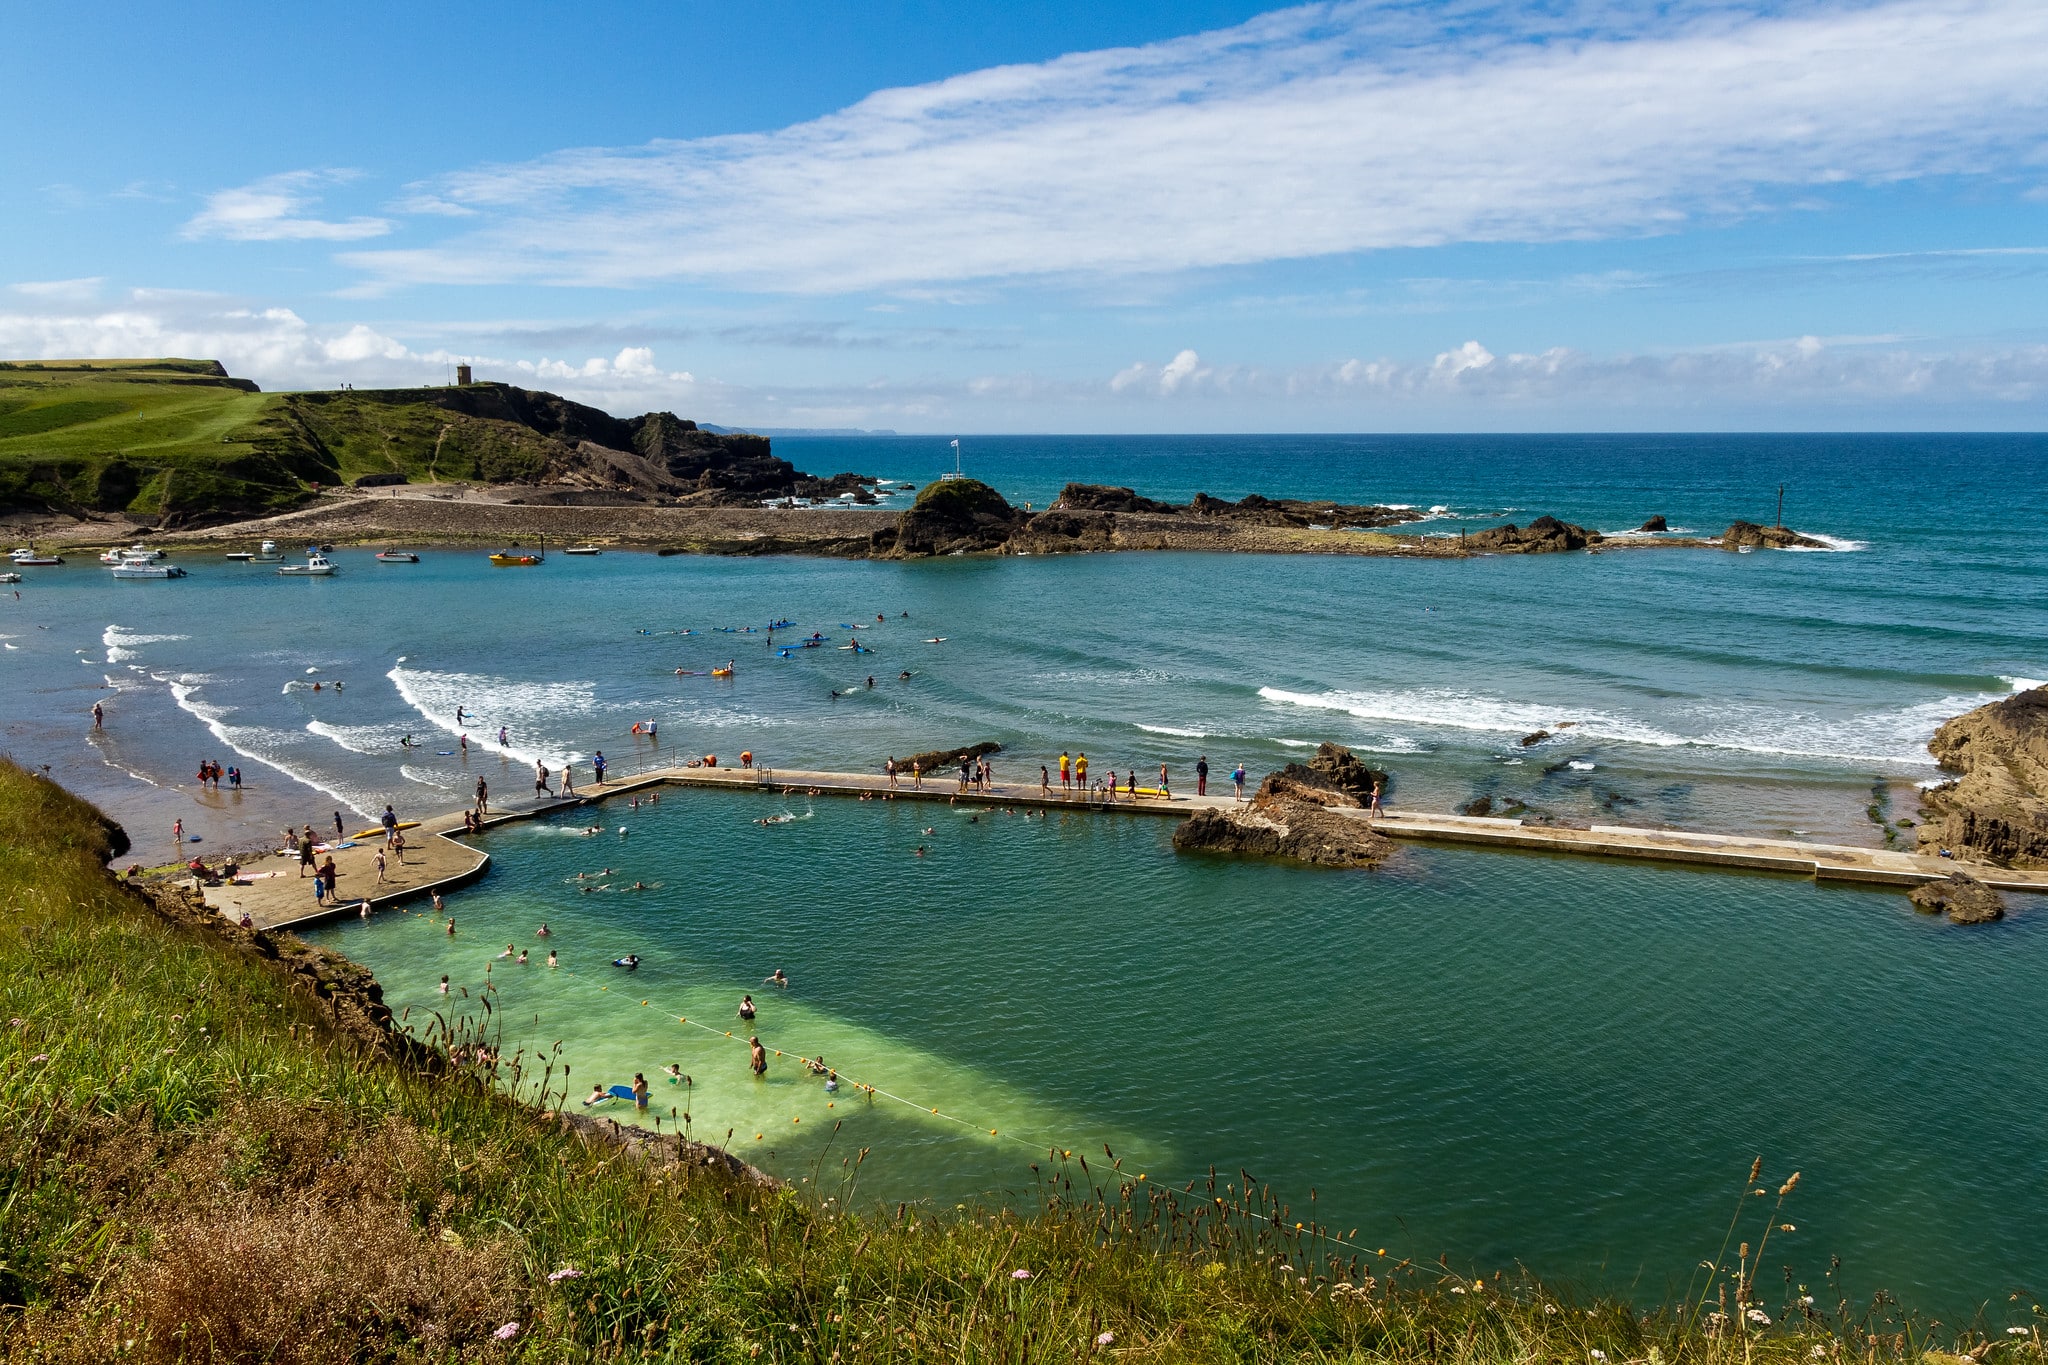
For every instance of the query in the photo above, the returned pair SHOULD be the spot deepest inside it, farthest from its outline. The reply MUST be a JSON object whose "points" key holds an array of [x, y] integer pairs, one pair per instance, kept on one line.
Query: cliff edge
{"points": [[1997, 810]]}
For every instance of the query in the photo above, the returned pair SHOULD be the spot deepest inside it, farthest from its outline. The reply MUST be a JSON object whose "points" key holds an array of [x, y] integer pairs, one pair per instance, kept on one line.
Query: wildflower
{"points": [[1806, 1300], [1457, 1289], [1105, 1339], [1020, 1274], [507, 1332], [1819, 1353], [2015, 1331], [39, 1057], [567, 1272], [1550, 1310], [1597, 1353], [14, 1023], [1786, 1227], [1759, 1317]]}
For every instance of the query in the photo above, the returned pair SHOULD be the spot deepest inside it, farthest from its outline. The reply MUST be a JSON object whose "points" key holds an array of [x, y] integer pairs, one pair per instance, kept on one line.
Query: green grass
{"points": [[196, 1163], [180, 442]]}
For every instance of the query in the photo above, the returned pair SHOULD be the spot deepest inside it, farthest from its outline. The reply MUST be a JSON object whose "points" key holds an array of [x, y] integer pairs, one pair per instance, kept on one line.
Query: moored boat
{"points": [[582, 550], [10, 577], [317, 565], [397, 557], [515, 557], [146, 568], [26, 557], [267, 553]]}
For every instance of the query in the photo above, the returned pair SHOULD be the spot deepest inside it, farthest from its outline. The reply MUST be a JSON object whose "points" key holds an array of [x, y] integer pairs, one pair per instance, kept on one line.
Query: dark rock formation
{"points": [[1264, 511], [954, 516], [1064, 532], [1529, 741], [1656, 523], [1545, 535], [1749, 533], [1095, 497], [1997, 811], [942, 760], [1296, 814], [1961, 897]]}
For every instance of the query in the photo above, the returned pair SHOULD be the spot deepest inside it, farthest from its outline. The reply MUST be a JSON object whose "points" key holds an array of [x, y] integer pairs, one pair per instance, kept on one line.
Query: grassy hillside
{"points": [[198, 1162]]}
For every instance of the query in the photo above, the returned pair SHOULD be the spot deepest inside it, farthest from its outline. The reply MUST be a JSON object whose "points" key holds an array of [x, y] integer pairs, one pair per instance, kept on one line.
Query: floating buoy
{"points": [[796, 1120]]}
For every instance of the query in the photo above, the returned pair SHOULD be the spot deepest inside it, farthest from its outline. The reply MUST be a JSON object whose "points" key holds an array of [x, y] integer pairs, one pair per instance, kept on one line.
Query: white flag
{"points": [[956, 445]]}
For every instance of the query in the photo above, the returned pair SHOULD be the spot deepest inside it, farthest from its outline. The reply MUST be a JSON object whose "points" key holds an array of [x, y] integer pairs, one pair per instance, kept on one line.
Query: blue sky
{"points": [[1059, 217]]}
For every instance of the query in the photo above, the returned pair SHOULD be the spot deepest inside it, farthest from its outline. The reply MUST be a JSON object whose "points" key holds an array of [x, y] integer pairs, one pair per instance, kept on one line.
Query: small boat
{"points": [[267, 553], [317, 565], [721, 673], [397, 557], [239, 556], [582, 550], [10, 578], [506, 559], [146, 568], [28, 558]]}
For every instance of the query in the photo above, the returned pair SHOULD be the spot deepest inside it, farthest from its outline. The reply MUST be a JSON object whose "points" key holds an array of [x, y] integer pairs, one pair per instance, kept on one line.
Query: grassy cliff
{"points": [[210, 1151], [180, 442]]}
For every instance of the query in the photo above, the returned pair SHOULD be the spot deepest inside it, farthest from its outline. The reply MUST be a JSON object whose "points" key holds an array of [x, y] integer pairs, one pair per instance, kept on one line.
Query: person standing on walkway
{"points": [[1081, 771], [1202, 775], [1165, 787], [540, 779], [1066, 772], [1375, 808], [1237, 779], [597, 766], [1044, 780], [483, 797], [568, 779], [890, 768]]}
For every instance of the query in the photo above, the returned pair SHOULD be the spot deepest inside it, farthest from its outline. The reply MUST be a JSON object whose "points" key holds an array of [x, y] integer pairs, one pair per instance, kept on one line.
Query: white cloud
{"points": [[80, 290], [1328, 128], [276, 209]]}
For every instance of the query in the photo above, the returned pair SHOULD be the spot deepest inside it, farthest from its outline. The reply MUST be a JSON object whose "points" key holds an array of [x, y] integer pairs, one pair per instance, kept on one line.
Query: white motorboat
{"points": [[26, 557], [10, 577], [317, 565], [267, 553], [146, 568], [582, 550], [397, 557]]}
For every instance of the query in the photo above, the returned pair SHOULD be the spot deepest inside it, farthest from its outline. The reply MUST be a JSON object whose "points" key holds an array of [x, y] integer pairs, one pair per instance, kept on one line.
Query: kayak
{"points": [[375, 830]]}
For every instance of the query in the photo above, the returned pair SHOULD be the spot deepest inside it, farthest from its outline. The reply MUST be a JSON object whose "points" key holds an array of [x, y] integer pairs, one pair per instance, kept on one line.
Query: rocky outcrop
{"points": [[1064, 532], [1297, 814], [1095, 497], [952, 516], [1748, 533], [941, 760], [1263, 511], [1961, 897], [1545, 535], [1656, 523], [1997, 810]]}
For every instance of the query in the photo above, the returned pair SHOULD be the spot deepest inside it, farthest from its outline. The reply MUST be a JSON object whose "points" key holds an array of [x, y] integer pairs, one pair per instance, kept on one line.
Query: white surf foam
{"points": [[2023, 684], [429, 777], [251, 741], [1897, 736], [379, 740], [1581, 765], [1172, 730], [1828, 545], [521, 708], [121, 642]]}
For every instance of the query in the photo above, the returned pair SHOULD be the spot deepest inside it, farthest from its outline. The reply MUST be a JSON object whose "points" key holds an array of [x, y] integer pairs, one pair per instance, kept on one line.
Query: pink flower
{"points": [[1106, 1339], [567, 1272], [507, 1332], [39, 1057], [1020, 1274]]}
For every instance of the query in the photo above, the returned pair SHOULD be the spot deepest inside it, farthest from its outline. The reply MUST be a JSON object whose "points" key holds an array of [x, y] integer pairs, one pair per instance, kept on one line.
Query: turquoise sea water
{"points": [[1491, 1056]]}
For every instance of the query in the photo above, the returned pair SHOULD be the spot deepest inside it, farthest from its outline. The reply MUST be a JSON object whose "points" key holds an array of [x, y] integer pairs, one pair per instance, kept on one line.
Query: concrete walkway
{"points": [[275, 896]]}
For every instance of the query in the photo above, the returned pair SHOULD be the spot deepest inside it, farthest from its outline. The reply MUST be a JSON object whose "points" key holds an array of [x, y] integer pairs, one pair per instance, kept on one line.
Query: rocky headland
{"points": [[1296, 815], [1996, 810]]}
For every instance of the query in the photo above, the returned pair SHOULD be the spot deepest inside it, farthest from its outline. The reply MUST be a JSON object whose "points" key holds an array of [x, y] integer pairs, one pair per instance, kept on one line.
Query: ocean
{"points": [[1489, 1056]]}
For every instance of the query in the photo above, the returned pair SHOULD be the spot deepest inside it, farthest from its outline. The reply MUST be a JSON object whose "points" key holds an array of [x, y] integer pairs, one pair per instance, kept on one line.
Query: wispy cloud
{"points": [[278, 208], [1328, 128], [80, 290]]}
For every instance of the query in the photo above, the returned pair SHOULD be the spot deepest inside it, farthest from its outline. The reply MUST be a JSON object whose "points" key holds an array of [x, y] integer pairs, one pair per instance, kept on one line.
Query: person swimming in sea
{"points": [[631, 961], [551, 958], [747, 1010], [776, 978], [598, 1095]]}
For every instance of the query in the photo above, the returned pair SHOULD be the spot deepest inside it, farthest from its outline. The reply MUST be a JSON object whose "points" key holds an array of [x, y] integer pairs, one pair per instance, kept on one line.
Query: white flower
{"points": [[1020, 1274], [1806, 1300], [567, 1272], [2015, 1331], [1759, 1317], [1105, 1339], [1597, 1354], [507, 1332], [1819, 1353]]}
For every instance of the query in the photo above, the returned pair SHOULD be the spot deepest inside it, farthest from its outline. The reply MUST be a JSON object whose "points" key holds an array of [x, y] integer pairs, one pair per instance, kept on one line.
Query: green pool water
{"points": [[1496, 1057]]}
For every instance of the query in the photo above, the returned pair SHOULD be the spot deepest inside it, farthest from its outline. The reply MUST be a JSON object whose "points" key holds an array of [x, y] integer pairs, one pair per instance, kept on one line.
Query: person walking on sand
{"points": [[339, 828], [758, 1056], [390, 823], [380, 864], [305, 850], [1202, 775]]}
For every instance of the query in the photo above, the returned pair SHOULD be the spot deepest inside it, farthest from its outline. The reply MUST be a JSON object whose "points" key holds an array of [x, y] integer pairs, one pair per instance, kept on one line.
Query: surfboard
{"points": [[375, 830]]}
